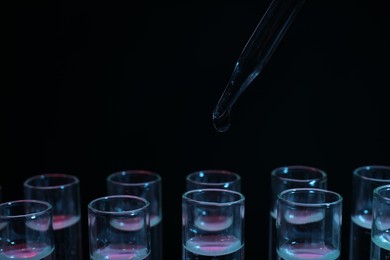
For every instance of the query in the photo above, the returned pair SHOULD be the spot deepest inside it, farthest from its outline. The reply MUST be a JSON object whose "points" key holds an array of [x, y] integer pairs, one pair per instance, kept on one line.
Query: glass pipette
{"points": [[255, 55]]}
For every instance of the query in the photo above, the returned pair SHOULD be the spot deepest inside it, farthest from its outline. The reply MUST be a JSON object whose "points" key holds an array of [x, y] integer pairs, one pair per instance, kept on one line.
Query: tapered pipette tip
{"points": [[221, 121]]}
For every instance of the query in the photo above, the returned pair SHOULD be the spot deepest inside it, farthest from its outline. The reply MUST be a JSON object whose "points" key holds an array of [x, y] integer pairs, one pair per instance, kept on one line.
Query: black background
{"points": [[116, 85]]}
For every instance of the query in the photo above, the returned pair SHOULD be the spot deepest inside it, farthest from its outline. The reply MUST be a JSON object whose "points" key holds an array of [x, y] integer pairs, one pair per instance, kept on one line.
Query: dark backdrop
{"points": [[115, 85]]}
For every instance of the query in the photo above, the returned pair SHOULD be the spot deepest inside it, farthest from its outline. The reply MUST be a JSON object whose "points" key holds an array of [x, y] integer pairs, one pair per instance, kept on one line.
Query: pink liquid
{"points": [[64, 221], [26, 251], [300, 251], [299, 217], [121, 252], [212, 245], [128, 224], [213, 223]]}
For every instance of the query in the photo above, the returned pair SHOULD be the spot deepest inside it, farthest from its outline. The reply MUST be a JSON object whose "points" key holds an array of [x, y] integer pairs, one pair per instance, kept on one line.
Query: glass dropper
{"points": [[255, 56]]}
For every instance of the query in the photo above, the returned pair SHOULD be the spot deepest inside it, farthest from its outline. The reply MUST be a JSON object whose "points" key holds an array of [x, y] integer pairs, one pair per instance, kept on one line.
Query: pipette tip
{"points": [[221, 121]]}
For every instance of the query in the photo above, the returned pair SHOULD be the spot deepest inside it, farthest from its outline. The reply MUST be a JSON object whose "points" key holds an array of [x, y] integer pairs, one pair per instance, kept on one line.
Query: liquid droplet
{"points": [[222, 122]]}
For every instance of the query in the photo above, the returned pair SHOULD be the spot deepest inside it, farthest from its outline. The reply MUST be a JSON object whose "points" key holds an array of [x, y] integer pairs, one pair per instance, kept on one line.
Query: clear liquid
{"points": [[67, 237], [360, 237], [156, 238], [121, 252], [301, 251], [213, 248], [27, 252], [380, 247]]}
